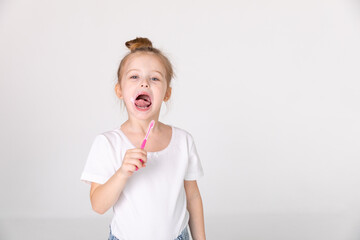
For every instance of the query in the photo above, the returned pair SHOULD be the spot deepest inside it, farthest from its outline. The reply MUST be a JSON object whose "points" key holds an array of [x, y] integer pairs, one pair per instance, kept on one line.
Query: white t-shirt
{"points": [[153, 202]]}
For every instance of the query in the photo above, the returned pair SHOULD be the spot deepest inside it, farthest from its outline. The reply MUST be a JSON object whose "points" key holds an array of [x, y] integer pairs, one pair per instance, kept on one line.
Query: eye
{"points": [[134, 77], [155, 79]]}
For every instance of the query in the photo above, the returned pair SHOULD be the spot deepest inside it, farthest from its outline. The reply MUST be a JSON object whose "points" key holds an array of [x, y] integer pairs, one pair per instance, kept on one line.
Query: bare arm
{"points": [[104, 196], [195, 208]]}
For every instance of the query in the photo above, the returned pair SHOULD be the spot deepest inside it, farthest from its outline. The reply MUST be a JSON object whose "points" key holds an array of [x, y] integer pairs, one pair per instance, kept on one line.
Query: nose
{"points": [[145, 84]]}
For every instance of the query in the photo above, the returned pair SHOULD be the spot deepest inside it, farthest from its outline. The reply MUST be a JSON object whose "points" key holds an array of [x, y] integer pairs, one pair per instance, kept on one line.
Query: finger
{"points": [[130, 168], [140, 156], [137, 150], [137, 156], [136, 162], [133, 168]]}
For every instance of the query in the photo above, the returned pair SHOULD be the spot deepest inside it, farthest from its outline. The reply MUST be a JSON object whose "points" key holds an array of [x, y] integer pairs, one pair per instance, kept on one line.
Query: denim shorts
{"points": [[184, 235]]}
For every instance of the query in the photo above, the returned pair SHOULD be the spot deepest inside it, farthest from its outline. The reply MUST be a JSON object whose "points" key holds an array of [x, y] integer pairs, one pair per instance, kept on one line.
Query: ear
{"points": [[118, 91], [167, 94]]}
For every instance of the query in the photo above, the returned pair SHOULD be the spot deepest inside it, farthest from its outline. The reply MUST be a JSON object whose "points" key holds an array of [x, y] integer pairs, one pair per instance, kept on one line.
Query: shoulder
{"points": [[184, 135], [111, 138], [181, 131]]}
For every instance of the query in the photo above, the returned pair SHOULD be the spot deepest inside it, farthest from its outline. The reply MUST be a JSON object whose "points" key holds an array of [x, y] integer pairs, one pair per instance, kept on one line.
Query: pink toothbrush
{"points": [[152, 123]]}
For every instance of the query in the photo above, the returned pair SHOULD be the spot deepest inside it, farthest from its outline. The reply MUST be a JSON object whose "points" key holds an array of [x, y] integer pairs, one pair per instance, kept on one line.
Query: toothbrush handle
{"points": [[143, 144], [142, 147]]}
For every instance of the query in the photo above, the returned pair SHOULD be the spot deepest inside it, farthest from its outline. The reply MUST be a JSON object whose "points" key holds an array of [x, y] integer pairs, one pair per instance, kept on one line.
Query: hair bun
{"points": [[138, 43]]}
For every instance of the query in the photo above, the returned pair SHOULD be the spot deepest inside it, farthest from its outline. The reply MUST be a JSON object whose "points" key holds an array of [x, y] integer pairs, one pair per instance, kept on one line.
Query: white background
{"points": [[269, 90]]}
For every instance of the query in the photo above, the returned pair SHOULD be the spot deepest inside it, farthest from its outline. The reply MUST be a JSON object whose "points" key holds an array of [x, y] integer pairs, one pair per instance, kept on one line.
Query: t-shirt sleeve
{"points": [[100, 163], [194, 170]]}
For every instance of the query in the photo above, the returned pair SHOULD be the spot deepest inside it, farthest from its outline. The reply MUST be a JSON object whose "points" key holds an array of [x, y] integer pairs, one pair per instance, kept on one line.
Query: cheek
{"points": [[129, 98], [132, 99], [160, 95]]}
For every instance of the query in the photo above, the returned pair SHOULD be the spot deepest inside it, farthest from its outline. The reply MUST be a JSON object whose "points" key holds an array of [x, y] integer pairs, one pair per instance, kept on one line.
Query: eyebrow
{"points": [[134, 69]]}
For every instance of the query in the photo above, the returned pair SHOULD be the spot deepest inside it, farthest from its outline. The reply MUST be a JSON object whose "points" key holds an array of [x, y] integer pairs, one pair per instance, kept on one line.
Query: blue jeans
{"points": [[184, 235]]}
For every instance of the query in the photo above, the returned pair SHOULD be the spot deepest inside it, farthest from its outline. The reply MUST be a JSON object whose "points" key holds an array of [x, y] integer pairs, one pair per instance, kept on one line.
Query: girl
{"points": [[153, 191]]}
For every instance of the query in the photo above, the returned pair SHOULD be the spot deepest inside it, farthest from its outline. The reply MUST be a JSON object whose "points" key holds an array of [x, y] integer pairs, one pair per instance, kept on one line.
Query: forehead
{"points": [[145, 61]]}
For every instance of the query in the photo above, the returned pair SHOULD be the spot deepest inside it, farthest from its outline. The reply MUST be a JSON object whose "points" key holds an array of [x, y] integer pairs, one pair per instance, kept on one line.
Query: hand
{"points": [[134, 159]]}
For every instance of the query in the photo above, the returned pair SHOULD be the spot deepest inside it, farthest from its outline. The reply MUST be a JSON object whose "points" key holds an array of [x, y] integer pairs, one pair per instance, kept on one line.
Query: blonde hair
{"points": [[144, 45]]}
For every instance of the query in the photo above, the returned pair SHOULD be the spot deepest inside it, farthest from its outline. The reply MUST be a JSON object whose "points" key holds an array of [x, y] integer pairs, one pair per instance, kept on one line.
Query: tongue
{"points": [[142, 103]]}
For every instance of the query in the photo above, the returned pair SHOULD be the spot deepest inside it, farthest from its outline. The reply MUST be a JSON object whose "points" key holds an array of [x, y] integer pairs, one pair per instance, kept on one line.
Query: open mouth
{"points": [[143, 101]]}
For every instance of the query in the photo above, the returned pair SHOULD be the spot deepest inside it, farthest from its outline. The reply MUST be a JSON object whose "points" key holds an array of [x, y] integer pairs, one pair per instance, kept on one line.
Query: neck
{"points": [[141, 126]]}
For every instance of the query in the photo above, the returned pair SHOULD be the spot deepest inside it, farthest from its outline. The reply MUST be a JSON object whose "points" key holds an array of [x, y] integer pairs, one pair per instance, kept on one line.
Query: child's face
{"points": [[143, 72]]}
